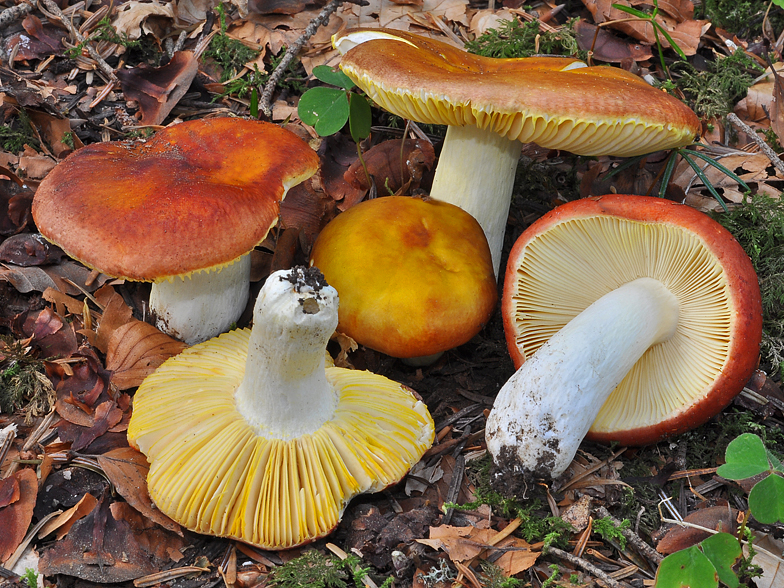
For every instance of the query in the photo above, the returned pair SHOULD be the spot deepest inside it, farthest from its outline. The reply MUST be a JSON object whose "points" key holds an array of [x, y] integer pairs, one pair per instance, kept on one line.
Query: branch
{"points": [[15, 12], [586, 566], [632, 537], [266, 97], [764, 147]]}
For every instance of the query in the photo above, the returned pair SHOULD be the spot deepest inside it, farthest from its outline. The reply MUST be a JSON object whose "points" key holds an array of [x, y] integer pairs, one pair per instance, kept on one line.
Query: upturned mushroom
{"points": [[182, 210], [492, 106], [415, 276], [253, 436], [630, 318]]}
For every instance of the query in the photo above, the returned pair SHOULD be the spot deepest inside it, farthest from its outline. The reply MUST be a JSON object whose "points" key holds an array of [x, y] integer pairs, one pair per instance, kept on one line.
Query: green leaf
{"points": [[359, 118], [632, 11], [325, 109], [723, 550], [688, 568], [746, 457], [334, 77], [254, 103], [766, 500]]}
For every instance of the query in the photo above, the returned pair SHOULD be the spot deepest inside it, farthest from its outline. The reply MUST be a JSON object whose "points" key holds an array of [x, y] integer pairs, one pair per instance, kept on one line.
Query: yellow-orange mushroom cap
{"points": [[415, 276], [253, 436], [174, 210], [492, 106]]}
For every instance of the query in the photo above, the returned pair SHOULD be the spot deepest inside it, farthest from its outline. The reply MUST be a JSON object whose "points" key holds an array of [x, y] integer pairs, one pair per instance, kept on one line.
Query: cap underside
{"points": [[211, 472], [585, 110], [608, 252]]}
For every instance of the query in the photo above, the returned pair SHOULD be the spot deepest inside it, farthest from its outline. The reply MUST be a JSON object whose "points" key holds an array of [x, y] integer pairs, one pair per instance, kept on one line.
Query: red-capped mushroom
{"points": [[634, 317]]}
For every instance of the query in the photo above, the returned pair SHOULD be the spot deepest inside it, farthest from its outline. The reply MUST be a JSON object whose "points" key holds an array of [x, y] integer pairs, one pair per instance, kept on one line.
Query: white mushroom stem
{"points": [[202, 305], [476, 171], [285, 393], [545, 409]]}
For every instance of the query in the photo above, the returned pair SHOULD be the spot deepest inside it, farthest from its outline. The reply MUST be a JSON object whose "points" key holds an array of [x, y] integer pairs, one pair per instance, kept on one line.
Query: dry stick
{"points": [[107, 69], [585, 566], [764, 147], [323, 16], [641, 546], [14, 13]]}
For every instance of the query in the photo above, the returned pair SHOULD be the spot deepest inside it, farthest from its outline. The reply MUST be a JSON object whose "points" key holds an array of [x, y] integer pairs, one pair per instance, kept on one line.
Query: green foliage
{"points": [[493, 576], [608, 531], [554, 573], [315, 570], [23, 386], [741, 17], [229, 54], [328, 109], [514, 38], [658, 29], [758, 225], [30, 577], [713, 560], [17, 134], [713, 93]]}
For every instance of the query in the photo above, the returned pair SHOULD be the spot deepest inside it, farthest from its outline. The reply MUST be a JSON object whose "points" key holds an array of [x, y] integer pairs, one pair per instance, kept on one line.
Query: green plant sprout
{"points": [[30, 577], [328, 109], [657, 30], [706, 564]]}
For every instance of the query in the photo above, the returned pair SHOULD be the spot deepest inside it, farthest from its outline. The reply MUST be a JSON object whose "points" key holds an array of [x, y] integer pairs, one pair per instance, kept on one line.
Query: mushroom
{"points": [[253, 436], [415, 276], [634, 317], [493, 105], [182, 210]]}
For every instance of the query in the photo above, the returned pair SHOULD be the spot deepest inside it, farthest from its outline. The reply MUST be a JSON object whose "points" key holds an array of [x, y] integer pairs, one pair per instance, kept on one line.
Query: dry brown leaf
{"points": [[777, 106], [63, 522], [606, 46], [15, 518], [132, 18], [115, 314], [718, 518], [127, 469], [466, 543], [53, 130], [9, 491], [772, 567], [135, 350]]}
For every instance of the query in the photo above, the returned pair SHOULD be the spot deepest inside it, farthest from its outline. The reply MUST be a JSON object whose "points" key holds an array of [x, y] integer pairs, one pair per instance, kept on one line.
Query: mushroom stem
{"points": [[285, 393], [476, 171], [202, 305], [545, 409]]}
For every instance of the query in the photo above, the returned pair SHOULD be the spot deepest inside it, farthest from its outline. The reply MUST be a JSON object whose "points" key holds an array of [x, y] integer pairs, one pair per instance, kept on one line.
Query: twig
{"points": [[632, 537], [14, 13], [585, 566], [764, 147], [107, 69], [323, 16]]}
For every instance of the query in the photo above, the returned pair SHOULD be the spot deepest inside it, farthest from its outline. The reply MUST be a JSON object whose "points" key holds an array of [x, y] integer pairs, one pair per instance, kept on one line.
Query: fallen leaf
{"points": [[158, 89], [29, 249], [127, 468], [606, 46], [772, 567], [15, 518], [135, 350], [717, 518], [63, 522], [115, 314], [392, 167], [132, 18], [9, 491]]}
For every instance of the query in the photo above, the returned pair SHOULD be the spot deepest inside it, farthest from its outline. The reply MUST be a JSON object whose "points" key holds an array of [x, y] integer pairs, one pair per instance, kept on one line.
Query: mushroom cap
{"points": [[214, 473], [415, 277], [582, 250], [556, 102], [196, 195]]}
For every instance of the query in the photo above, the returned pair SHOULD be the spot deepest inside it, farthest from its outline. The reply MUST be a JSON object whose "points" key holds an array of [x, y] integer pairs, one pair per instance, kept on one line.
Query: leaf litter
{"points": [[86, 334]]}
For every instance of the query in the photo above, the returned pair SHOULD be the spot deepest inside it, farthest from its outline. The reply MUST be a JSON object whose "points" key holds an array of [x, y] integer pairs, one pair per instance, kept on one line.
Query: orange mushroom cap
{"points": [[196, 195], [415, 277], [556, 102], [582, 250]]}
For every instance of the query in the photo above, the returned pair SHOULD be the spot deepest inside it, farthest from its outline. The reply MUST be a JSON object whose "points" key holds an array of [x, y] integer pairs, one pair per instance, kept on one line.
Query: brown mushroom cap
{"points": [[196, 195], [415, 277], [582, 250], [555, 102]]}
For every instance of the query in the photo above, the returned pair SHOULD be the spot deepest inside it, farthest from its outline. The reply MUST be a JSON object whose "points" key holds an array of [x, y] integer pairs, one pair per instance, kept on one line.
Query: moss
{"points": [[14, 135], [23, 385], [713, 93], [514, 38], [315, 570]]}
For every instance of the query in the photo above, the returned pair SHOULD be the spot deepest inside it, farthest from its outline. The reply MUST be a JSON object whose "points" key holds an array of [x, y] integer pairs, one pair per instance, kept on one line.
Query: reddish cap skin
{"points": [[414, 277], [743, 286], [196, 195]]}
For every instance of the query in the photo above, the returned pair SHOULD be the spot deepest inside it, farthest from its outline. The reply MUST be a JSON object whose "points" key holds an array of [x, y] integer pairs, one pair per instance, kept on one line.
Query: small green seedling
{"points": [[706, 564], [328, 109]]}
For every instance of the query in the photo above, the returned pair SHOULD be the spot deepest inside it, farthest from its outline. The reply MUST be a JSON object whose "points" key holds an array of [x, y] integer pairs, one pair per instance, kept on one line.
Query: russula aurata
{"points": [[252, 436], [634, 317], [415, 276], [493, 106], [182, 210]]}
